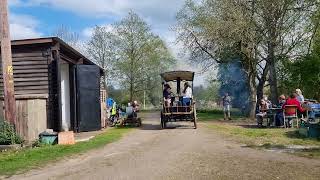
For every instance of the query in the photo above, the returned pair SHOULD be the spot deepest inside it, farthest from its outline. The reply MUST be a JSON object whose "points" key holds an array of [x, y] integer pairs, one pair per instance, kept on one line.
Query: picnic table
{"points": [[272, 112]]}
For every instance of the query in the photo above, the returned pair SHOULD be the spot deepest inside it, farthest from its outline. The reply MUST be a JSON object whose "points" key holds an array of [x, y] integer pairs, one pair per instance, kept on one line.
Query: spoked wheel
{"points": [[161, 121], [195, 118], [139, 123], [195, 123]]}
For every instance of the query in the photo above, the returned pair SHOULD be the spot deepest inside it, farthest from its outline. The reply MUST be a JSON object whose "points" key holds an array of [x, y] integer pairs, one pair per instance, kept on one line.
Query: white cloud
{"points": [[160, 14], [15, 2], [159, 10], [23, 26], [87, 32]]}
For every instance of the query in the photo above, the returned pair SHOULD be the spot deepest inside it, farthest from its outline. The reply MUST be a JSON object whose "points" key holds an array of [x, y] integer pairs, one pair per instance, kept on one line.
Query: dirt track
{"points": [[177, 153]]}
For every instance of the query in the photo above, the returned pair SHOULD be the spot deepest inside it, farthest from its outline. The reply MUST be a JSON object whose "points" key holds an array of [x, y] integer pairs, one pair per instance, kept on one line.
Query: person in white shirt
{"points": [[300, 97], [187, 94]]}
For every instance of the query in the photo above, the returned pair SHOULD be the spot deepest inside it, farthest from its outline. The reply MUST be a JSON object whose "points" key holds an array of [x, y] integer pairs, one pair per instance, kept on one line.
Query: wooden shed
{"points": [[56, 87]]}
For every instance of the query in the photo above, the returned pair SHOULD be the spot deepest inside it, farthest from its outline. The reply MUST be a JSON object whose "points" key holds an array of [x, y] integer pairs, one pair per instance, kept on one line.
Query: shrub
{"points": [[8, 134]]}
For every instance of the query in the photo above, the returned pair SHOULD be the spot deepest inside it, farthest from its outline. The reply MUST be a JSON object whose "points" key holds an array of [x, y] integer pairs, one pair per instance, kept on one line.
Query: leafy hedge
{"points": [[8, 134]]}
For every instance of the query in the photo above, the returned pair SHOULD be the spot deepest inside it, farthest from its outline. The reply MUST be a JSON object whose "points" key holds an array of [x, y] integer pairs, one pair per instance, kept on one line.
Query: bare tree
{"points": [[102, 48], [66, 34]]}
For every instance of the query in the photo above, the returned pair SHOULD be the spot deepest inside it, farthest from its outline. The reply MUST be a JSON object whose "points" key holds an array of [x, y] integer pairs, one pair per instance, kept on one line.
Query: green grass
{"points": [[268, 138], [257, 137], [20, 161], [214, 115]]}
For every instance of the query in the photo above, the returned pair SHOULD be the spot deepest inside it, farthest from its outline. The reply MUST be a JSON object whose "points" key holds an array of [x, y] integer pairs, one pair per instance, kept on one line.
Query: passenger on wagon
{"points": [[187, 94], [167, 95]]}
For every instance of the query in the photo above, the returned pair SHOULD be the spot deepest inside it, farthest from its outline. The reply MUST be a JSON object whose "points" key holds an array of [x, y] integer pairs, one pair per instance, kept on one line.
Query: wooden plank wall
{"points": [[103, 114], [30, 72], [31, 117]]}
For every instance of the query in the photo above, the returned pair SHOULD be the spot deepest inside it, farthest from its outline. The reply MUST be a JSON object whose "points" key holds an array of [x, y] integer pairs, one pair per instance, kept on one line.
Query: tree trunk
{"points": [[104, 81], [261, 84], [271, 45], [253, 95], [273, 73], [131, 91], [260, 88], [273, 84]]}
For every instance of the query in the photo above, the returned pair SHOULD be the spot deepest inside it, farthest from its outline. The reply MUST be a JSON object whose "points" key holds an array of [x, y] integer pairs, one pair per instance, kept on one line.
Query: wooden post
{"points": [[7, 69]]}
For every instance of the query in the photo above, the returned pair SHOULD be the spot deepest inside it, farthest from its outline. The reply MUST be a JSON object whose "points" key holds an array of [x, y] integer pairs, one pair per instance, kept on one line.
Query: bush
{"points": [[8, 134]]}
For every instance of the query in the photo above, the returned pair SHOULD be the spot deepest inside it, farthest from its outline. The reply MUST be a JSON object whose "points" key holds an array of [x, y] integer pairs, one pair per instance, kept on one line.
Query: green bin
{"points": [[48, 138], [314, 130]]}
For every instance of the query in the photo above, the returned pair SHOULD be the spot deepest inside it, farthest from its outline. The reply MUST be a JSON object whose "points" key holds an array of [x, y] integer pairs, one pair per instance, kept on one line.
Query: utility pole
{"points": [[7, 69]]}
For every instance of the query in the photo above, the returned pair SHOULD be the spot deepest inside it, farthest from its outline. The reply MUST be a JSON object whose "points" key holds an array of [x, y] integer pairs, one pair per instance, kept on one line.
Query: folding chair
{"points": [[290, 112]]}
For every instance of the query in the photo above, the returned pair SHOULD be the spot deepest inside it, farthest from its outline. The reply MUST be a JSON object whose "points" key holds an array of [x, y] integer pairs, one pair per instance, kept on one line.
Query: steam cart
{"points": [[131, 117], [173, 106]]}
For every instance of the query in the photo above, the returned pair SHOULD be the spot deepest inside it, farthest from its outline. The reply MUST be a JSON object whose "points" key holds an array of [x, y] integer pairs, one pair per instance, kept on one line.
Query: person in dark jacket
{"points": [[167, 94], [279, 113]]}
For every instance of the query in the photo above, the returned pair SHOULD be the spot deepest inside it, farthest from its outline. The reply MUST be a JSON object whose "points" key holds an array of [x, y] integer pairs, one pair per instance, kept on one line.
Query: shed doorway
{"points": [[65, 97]]}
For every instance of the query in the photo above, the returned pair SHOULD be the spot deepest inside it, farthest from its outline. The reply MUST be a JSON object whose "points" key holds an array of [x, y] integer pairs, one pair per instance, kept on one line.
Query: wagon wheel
{"points": [[164, 123], [139, 122], [194, 117], [161, 121]]}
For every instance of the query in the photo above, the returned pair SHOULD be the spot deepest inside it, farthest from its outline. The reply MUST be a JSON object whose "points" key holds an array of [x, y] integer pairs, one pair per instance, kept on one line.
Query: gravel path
{"points": [[177, 153]]}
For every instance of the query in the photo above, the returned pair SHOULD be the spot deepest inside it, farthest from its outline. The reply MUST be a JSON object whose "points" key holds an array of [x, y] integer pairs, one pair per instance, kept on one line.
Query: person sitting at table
{"points": [[300, 97], [268, 102], [279, 113], [187, 94], [292, 100], [262, 112]]}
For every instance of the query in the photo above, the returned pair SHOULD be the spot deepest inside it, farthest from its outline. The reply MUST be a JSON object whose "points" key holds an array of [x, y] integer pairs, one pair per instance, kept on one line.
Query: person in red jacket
{"points": [[292, 100]]}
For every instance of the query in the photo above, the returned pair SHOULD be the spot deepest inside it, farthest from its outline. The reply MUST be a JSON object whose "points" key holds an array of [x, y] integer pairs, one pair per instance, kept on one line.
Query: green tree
{"points": [[283, 28], [304, 73], [217, 31], [259, 32], [142, 55]]}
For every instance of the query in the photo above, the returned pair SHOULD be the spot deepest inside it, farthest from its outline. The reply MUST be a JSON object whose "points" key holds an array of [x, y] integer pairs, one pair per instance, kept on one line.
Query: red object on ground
{"points": [[66, 138]]}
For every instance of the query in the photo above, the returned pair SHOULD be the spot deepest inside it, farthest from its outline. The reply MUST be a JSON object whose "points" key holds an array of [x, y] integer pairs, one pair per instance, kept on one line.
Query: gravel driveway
{"points": [[179, 152]]}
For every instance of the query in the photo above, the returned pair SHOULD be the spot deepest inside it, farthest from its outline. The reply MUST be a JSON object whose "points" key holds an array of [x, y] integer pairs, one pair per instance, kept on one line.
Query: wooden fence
{"points": [[31, 117]]}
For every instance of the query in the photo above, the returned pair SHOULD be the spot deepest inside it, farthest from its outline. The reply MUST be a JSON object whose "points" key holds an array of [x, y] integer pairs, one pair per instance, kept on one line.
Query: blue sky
{"points": [[40, 18]]}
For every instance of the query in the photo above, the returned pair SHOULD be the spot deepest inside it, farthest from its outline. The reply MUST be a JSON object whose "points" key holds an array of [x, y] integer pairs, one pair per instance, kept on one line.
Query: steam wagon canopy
{"points": [[175, 75]]}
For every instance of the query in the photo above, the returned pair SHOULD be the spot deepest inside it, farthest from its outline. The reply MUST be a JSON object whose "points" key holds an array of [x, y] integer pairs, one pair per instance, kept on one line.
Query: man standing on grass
{"points": [[226, 101]]}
